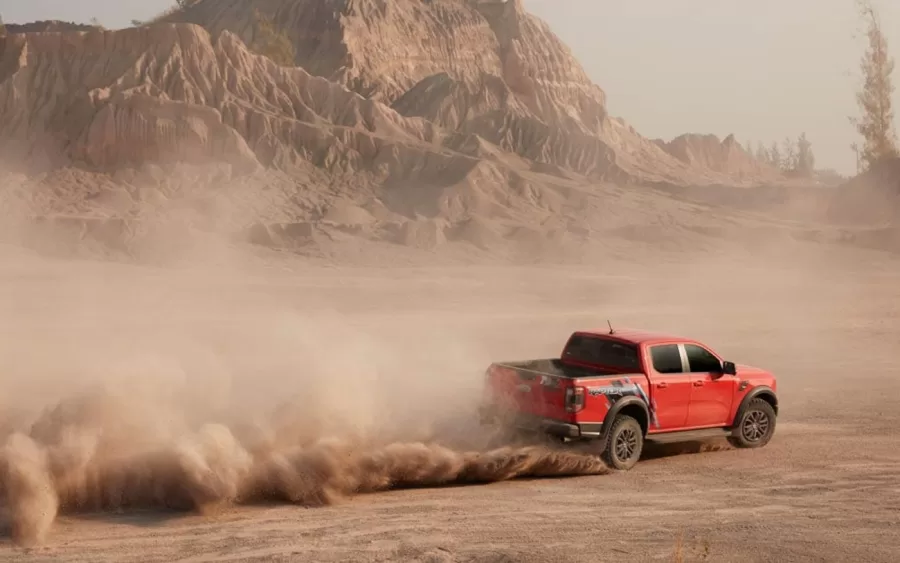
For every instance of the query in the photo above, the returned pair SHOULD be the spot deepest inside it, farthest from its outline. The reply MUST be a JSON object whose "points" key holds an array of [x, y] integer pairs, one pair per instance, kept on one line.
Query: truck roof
{"points": [[635, 336]]}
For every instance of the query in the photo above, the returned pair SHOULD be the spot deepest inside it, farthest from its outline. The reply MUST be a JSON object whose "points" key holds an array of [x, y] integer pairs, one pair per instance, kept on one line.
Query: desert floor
{"points": [[825, 321]]}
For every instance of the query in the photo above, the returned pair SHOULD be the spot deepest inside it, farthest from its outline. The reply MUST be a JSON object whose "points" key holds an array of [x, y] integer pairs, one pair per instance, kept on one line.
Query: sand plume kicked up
{"points": [[327, 472], [211, 468], [28, 489], [156, 392]]}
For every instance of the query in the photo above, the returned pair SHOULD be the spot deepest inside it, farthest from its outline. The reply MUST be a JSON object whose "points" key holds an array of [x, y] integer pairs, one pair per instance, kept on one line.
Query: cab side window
{"points": [[666, 358], [701, 360]]}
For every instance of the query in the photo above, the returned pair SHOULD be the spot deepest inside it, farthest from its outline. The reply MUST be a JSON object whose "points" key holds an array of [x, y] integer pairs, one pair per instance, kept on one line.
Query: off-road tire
{"points": [[755, 427], [623, 444]]}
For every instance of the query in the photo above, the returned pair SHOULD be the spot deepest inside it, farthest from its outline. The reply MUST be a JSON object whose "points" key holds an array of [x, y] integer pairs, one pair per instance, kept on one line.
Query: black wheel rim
{"points": [[626, 444], [756, 426]]}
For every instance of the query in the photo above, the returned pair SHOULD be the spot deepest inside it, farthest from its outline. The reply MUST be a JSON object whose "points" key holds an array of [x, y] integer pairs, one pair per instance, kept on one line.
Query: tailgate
{"points": [[528, 392]]}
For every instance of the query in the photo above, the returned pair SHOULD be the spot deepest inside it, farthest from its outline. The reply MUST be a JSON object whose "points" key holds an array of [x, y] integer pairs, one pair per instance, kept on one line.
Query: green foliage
{"points": [[876, 125], [789, 156], [179, 6], [806, 161], [268, 40], [793, 158], [775, 158], [272, 42], [2, 27]]}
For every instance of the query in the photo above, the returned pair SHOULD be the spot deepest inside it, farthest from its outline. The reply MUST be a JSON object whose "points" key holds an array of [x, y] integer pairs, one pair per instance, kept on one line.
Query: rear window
{"points": [[599, 351]]}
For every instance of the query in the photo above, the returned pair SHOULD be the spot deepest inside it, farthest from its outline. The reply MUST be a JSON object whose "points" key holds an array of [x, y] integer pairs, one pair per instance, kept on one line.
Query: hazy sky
{"points": [[761, 69]]}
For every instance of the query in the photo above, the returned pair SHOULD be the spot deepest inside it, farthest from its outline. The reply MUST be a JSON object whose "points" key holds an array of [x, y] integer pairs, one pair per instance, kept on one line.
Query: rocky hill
{"points": [[479, 68], [412, 120], [726, 156]]}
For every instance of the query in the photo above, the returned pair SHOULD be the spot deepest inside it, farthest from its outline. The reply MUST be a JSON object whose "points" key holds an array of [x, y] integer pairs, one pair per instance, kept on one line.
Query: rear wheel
{"points": [[755, 427], [624, 444]]}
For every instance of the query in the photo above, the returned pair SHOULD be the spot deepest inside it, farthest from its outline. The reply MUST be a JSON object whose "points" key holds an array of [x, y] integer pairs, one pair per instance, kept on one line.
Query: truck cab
{"points": [[656, 386]]}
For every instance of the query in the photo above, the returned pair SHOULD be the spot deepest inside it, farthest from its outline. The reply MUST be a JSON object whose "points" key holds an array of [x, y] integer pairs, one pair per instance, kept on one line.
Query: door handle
{"points": [[699, 383], [662, 385]]}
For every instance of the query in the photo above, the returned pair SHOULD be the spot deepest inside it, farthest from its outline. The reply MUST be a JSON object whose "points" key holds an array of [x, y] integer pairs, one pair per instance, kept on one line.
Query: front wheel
{"points": [[755, 427], [624, 443]]}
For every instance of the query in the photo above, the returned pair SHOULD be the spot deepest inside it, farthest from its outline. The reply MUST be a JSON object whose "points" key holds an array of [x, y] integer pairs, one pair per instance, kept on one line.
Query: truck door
{"points": [[670, 388], [712, 393]]}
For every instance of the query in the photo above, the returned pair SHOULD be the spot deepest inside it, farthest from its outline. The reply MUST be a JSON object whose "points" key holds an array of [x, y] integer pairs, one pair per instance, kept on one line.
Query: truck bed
{"points": [[552, 367]]}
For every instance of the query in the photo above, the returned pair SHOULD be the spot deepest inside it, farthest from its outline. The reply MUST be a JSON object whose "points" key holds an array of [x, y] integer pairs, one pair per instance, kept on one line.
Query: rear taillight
{"points": [[574, 399]]}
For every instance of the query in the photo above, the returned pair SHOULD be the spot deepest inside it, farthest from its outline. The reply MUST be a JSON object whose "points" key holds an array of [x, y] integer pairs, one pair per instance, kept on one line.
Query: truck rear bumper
{"points": [[548, 426], [551, 427]]}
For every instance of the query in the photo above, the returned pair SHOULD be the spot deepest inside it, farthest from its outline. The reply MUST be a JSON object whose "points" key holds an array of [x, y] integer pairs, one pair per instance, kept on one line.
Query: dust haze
{"points": [[221, 375], [187, 372], [197, 388]]}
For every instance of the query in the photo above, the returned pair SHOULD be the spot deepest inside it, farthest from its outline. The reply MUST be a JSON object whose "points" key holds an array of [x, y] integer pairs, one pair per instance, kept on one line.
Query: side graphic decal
{"points": [[617, 389]]}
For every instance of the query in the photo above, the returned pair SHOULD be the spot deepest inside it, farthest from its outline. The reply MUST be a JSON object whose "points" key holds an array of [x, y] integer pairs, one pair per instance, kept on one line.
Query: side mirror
{"points": [[728, 368]]}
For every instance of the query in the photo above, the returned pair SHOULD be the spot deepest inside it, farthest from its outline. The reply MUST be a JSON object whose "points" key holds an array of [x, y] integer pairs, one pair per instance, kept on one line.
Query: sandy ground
{"points": [[824, 489]]}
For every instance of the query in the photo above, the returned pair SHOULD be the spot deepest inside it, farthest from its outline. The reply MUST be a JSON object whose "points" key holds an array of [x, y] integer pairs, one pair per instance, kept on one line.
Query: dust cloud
{"points": [[211, 468], [191, 389]]}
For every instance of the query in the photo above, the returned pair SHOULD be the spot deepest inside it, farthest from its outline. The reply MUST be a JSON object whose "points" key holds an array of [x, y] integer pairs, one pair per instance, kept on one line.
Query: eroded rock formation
{"points": [[430, 115]]}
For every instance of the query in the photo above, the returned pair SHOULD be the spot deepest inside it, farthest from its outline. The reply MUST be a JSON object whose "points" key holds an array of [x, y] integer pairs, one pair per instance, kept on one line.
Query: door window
{"points": [[666, 358], [701, 360]]}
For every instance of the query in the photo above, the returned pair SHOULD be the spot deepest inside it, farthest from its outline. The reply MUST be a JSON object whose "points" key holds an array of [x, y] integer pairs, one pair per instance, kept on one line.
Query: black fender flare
{"points": [[617, 407], [754, 393]]}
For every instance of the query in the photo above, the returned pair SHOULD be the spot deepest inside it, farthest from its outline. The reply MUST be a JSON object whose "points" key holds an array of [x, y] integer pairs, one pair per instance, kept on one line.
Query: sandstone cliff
{"points": [[726, 156], [458, 79], [109, 102], [412, 121], [483, 68]]}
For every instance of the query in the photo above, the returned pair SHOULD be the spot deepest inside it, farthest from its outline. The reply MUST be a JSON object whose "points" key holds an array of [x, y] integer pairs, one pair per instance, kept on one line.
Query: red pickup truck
{"points": [[622, 387]]}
